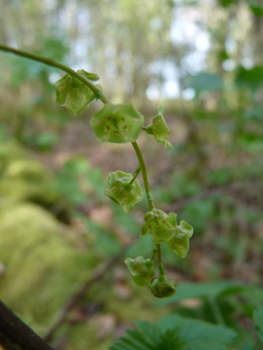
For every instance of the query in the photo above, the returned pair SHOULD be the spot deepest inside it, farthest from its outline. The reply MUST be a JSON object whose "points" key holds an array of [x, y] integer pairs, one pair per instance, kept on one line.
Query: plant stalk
{"points": [[53, 63], [144, 175]]}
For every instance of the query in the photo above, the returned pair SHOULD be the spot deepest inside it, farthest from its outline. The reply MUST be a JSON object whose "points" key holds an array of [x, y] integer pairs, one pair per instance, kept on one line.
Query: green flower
{"points": [[160, 225], [163, 287], [140, 269], [73, 94], [117, 123], [119, 189], [180, 243], [159, 129]]}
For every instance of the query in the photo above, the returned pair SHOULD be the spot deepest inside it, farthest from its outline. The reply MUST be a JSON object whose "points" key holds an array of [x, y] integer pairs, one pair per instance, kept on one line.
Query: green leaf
{"points": [[189, 290], [256, 7], [199, 335], [227, 3], [258, 321], [249, 78], [148, 336], [206, 81], [174, 332]]}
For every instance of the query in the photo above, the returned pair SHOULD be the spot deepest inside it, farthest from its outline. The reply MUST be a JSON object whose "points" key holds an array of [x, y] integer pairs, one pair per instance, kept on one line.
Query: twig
{"points": [[16, 335]]}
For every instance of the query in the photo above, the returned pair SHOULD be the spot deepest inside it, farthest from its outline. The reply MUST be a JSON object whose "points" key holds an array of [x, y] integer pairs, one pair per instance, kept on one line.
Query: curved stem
{"points": [[159, 256], [144, 175], [52, 63], [136, 173]]}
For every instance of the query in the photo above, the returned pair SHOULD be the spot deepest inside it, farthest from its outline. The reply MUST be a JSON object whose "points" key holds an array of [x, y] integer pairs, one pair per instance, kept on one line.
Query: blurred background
{"points": [[204, 61]]}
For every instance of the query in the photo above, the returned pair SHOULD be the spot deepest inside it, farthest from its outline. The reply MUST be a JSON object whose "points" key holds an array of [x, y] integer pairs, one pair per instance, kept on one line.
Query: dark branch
{"points": [[16, 335]]}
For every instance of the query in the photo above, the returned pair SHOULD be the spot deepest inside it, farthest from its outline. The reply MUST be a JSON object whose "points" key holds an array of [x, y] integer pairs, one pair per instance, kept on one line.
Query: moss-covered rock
{"points": [[42, 262], [23, 178]]}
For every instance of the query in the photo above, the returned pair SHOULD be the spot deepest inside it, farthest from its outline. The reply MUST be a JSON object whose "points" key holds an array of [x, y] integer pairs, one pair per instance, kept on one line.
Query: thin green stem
{"points": [[153, 254], [159, 255], [144, 175], [136, 173], [52, 63]]}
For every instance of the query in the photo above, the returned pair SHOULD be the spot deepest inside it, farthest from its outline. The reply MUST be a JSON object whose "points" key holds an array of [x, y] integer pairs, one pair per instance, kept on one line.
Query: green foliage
{"points": [[206, 81], [256, 7], [202, 335], [249, 78], [218, 143], [148, 336], [206, 290], [175, 332], [227, 3], [258, 321]]}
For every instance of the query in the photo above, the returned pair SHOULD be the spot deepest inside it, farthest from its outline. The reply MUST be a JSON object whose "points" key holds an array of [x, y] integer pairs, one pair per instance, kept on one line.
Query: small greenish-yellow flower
{"points": [[163, 287], [160, 225], [141, 270], [73, 94], [119, 189], [117, 123], [159, 129], [180, 243]]}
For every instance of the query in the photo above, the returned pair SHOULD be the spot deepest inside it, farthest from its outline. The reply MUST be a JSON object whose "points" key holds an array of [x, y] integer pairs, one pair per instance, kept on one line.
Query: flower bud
{"points": [[117, 123], [140, 269], [119, 189], [163, 287], [180, 243]]}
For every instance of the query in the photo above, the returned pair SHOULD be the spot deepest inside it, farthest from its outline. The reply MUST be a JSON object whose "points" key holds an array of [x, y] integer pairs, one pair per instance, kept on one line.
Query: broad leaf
{"points": [[206, 81], [186, 290], [256, 7], [258, 320], [148, 336], [199, 335], [249, 78]]}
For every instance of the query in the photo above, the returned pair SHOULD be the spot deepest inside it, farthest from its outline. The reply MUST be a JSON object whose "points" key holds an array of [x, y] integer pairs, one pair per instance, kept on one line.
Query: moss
{"points": [[43, 263], [23, 178]]}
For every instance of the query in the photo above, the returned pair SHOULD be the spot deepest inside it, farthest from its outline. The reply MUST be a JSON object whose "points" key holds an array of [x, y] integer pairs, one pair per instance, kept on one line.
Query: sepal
{"points": [[163, 287], [180, 243]]}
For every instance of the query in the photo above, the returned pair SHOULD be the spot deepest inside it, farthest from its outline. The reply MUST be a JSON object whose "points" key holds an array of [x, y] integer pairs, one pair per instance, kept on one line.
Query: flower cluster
{"points": [[164, 228]]}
